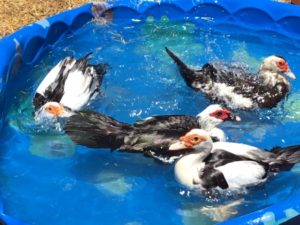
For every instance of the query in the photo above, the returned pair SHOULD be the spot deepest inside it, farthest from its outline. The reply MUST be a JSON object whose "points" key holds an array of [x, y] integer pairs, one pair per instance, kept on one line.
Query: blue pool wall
{"points": [[24, 48]]}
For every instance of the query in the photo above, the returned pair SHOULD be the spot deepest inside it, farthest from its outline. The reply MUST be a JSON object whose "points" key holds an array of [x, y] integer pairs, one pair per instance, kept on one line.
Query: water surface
{"points": [[46, 179]]}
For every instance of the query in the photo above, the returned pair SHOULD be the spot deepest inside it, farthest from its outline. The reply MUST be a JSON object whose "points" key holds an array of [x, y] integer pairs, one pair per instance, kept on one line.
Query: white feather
{"points": [[217, 133], [239, 149], [187, 170], [242, 173], [78, 89], [225, 93], [52, 76]]}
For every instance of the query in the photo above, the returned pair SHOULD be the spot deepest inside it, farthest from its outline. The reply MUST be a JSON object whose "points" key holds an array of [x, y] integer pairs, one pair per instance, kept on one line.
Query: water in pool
{"points": [[46, 179]]}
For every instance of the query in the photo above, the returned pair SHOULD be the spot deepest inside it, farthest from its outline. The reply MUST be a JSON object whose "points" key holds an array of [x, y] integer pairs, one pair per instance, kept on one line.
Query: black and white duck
{"points": [[226, 165], [237, 88], [208, 119], [68, 87], [96, 130]]}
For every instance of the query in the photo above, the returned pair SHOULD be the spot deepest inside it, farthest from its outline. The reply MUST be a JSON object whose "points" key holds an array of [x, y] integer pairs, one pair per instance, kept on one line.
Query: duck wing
{"points": [[52, 86], [243, 150], [181, 123], [278, 159], [151, 140], [154, 143], [225, 170], [242, 82], [269, 97], [211, 178], [95, 130], [220, 157], [285, 157], [82, 83]]}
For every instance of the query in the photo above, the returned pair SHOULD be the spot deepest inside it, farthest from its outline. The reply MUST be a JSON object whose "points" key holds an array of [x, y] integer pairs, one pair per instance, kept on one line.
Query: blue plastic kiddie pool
{"points": [[26, 47]]}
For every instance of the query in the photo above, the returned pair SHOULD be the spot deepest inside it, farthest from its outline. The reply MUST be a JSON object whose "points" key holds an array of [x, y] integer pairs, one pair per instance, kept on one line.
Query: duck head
{"points": [[188, 168], [275, 69], [214, 115], [196, 139], [52, 110]]}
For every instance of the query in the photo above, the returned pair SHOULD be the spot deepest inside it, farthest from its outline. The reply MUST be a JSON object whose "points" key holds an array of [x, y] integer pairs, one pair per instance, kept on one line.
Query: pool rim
{"points": [[25, 46]]}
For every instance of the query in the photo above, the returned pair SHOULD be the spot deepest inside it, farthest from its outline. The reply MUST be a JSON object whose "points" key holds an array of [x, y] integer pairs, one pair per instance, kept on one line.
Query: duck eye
{"points": [[219, 113], [281, 63], [49, 108], [196, 138]]}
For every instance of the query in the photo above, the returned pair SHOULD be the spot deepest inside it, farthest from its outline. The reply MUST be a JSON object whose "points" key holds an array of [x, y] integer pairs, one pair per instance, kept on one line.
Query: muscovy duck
{"points": [[96, 130], [225, 165], [208, 119], [240, 90], [67, 87]]}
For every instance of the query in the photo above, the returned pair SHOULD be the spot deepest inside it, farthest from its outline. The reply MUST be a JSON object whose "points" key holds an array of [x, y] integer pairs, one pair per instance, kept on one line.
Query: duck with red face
{"points": [[208, 119], [152, 136], [237, 88], [275, 69]]}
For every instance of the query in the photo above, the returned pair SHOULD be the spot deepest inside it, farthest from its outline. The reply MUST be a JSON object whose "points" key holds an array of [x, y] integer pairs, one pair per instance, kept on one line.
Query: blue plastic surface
{"points": [[25, 46]]}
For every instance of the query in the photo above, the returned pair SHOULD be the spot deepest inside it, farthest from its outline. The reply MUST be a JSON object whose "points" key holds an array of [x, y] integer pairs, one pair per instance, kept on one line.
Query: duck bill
{"points": [[290, 74], [177, 146]]}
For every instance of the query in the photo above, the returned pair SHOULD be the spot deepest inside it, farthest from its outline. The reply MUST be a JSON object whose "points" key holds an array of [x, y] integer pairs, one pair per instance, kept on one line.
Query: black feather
{"points": [[38, 101], [279, 56], [181, 123], [211, 178], [188, 74], [96, 131], [285, 157]]}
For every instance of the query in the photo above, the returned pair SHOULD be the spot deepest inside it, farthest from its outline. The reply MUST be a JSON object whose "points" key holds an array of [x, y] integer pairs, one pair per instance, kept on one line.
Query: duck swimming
{"points": [[67, 87], [208, 119], [96, 130], [238, 89], [228, 166]]}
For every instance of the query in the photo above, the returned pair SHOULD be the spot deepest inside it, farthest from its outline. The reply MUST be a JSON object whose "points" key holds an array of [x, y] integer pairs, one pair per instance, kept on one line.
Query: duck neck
{"points": [[270, 78], [207, 124], [188, 167], [197, 156]]}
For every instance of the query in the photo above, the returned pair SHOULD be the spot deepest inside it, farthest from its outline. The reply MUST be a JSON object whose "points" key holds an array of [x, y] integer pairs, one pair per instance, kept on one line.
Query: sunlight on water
{"points": [[43, 173], [52, 146], [112, 183]]}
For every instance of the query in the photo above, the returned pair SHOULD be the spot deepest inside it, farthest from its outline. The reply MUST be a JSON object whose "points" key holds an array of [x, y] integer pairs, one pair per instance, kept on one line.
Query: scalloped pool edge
{"points": [[27, 44]]}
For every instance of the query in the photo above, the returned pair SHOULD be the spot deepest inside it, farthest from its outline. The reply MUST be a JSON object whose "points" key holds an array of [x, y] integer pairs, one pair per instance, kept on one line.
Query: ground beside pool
{"points": [[15, 14]]}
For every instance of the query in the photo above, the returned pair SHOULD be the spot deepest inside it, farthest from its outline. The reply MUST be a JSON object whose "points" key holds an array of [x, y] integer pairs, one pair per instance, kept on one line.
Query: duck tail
{"points": [[101, 69], [286, 157], [187, 73], [184, 69], [94, 130], [96, 70], [82, 63], [87, 57]]}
